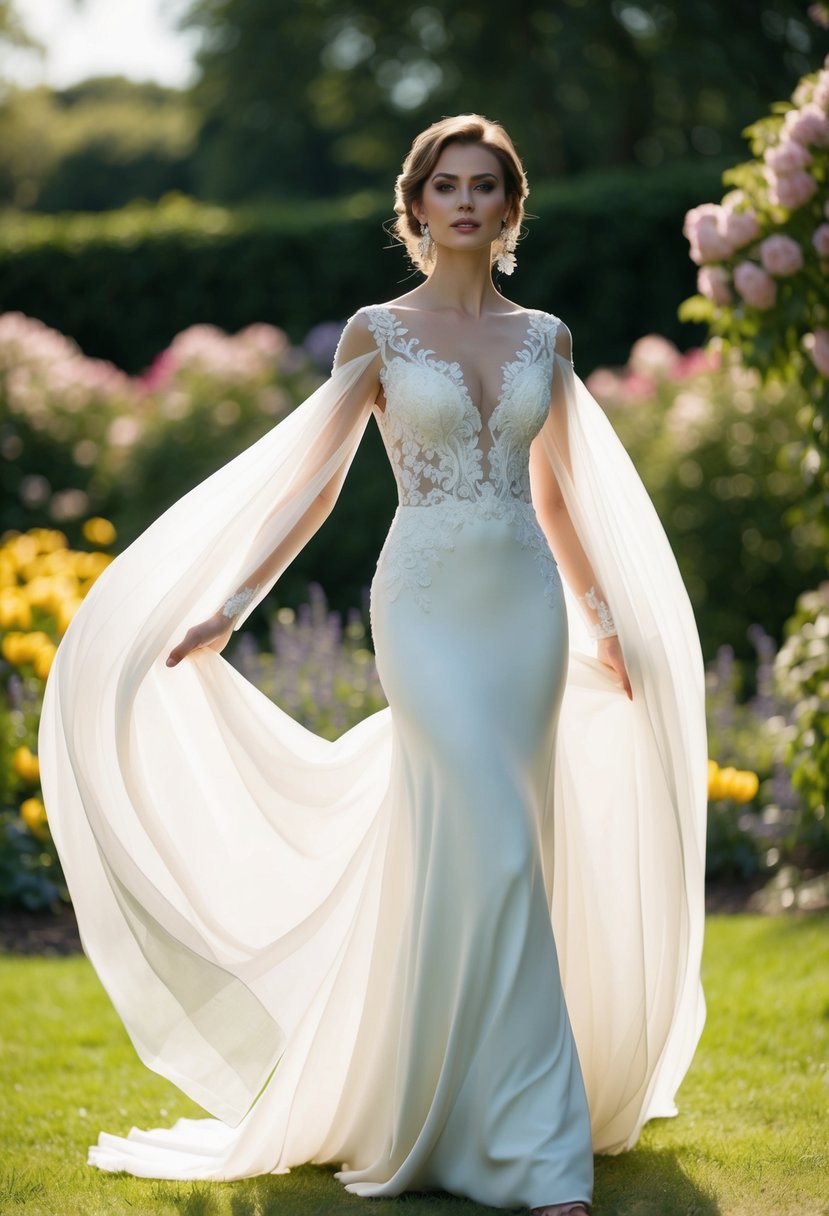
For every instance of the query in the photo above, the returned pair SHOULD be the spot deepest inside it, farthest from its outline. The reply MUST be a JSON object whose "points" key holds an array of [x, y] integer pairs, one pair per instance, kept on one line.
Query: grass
{"points": [[750, 1139]]}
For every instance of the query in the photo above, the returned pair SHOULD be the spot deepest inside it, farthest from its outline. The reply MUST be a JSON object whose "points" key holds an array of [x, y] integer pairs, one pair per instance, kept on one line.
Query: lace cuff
{"points": [[237, 603], [599, 620]]}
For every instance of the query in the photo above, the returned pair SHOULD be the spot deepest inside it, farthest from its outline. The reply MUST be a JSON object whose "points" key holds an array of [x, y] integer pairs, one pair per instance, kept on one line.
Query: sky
{"points": [[135, 38]]}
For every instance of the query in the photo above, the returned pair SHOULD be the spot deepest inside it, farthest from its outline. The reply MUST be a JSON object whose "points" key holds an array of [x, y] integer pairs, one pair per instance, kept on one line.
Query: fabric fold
{"points": [[219, 855]]}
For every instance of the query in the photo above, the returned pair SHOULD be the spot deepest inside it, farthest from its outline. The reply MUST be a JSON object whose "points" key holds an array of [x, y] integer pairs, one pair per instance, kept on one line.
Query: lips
{"points": [[466, 225]]}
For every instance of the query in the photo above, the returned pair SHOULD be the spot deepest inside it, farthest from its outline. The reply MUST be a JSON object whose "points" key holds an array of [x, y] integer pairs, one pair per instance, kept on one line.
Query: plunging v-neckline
{"points": [[427, 357]]}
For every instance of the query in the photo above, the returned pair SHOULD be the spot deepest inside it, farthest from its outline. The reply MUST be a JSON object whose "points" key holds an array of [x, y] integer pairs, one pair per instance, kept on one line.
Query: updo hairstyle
{"points": [[420, 164]]}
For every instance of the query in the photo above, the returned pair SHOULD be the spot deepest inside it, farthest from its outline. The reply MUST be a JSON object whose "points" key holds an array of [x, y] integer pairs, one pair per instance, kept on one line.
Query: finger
{"points": [[181, 651]]}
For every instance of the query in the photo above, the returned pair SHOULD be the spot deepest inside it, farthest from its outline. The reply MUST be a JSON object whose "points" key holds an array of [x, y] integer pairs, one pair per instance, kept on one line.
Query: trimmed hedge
{"points": [[606, 253]]}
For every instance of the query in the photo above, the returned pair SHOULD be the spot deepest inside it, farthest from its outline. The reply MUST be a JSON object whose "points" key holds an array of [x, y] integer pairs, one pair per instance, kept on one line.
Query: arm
{"points": [[566, 547], [323, 465]]}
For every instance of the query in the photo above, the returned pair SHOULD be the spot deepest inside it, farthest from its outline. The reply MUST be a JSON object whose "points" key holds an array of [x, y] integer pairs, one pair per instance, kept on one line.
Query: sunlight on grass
{"points": [[748, 1141]]}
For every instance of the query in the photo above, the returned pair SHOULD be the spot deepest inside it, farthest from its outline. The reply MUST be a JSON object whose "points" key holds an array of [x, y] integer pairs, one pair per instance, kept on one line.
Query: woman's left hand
{"points": [[610, 653]]}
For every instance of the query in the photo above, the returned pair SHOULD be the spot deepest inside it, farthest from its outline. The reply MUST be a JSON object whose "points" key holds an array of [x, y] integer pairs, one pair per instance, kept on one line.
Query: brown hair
{"points": [[424, 155]]}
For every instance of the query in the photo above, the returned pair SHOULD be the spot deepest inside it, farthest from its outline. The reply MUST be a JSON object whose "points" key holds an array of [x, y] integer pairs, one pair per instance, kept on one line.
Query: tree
{"points": [[316, 96]]}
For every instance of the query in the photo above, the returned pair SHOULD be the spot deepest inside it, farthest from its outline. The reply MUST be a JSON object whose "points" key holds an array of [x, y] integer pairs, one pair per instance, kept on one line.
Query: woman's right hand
{"points": [[212, 634]]}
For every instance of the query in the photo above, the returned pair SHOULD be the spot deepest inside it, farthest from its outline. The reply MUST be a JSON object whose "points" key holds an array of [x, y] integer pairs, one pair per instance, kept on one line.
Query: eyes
{"points": [[444, 187]]}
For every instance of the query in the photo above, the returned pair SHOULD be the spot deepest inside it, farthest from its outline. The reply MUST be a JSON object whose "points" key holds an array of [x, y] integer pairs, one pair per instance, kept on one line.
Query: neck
{"points": [[461, 281]]}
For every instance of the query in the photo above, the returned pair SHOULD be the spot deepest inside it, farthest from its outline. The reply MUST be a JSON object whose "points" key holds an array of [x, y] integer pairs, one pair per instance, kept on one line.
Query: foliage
{"points": [[764, 266], [744, 1141], [78, 436], [94, 146], [578, 85], [42, 582], [320, 672], [802, 676], [710, 442], [122, 284], [748, 730]]}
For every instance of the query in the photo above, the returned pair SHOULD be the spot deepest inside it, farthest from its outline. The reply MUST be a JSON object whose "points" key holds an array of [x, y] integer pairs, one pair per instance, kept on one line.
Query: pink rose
{"points": [[787, 157], [740, 227], [714, 282], [791, 190], [820, 240], [808, 125], [704, 229], [781, 256], [755, 286], [817, 345]]}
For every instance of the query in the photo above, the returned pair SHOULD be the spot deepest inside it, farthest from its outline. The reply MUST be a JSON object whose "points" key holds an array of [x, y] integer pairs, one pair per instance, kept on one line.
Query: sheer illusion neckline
{"points": [[522, 356]]}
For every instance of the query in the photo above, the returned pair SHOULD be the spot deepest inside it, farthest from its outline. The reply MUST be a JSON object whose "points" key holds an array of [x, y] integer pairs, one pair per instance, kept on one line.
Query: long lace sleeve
{"points": [[308, 470], [554, 517]]}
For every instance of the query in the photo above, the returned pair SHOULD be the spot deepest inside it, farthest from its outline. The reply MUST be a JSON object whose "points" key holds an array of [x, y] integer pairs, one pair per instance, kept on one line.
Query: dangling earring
{"points": [[426, 246], [506, 262]]}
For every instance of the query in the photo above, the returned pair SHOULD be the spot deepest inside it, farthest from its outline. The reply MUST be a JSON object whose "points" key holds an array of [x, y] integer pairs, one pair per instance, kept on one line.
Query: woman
{"points": [[345, 951]]}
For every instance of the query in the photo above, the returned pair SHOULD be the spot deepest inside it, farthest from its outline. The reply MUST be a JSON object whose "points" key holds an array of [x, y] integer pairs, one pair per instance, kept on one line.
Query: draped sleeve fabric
{"points": [[625, 832], [219, 855], [170, 834]]}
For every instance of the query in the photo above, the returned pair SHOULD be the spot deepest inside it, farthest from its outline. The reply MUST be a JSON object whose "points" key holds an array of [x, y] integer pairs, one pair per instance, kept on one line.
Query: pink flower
{"points": [[703, 227], [787, 157], [820, 240], [820, 96], [791, 190], [781, 256], [714, 282], [757, 288], [740, 227], [808, 125], [652, 356], [605, 385], [697, 361], [817, 345]]}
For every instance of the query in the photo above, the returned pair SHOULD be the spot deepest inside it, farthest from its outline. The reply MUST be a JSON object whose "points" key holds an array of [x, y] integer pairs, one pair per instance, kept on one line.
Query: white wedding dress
{"points": [[345, 951]]}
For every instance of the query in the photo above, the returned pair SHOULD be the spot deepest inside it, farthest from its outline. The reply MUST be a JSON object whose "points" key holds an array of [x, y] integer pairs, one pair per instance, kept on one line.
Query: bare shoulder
{"points": [[356, 339]]}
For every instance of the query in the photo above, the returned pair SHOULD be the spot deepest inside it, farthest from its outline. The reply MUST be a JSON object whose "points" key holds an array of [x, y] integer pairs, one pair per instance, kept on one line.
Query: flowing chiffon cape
{"points": [[218, 854]]}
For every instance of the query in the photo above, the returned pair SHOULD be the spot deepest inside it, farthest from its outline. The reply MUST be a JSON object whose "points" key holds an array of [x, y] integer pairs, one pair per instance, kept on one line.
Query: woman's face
{"points": [[464, 201]]}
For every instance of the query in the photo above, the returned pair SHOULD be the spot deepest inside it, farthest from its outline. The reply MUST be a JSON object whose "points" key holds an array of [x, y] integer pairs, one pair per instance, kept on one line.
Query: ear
{"points": [[418, 211]]}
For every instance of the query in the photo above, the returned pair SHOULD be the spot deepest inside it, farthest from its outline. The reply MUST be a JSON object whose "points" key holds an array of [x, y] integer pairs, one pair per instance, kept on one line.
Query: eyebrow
{"points": [[454, 176]]}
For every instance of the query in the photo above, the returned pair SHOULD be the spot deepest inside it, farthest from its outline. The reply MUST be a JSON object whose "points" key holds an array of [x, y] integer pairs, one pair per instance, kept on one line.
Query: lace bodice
{"points": [[451, 458], [440, 444]]}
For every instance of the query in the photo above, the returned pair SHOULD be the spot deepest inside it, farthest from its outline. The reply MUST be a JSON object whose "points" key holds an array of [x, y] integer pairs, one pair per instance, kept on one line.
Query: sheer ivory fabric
{"points": [[344, 951]]}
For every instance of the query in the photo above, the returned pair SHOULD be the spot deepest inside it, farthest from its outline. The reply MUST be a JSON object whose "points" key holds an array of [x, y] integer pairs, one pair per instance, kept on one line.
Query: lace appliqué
{"points": [[237, 602], [431, 429], [419, 540], [604, 627]]}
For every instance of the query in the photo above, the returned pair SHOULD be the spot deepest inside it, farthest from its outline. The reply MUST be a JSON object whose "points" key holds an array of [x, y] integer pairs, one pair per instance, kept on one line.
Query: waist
{"points": [[483, 506]]}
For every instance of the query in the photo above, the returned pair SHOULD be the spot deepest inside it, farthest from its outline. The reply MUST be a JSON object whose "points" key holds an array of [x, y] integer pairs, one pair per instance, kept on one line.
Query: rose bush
{"points": [[763, 257]]}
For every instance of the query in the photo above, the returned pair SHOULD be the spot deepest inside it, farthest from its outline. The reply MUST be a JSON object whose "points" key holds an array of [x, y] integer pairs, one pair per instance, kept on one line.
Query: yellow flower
{"points": [[48, 540], [99, 531], [64, 613], [740, 785], [21, 648], [42, 662], [15, 608], [33, 814], [26, 764]]}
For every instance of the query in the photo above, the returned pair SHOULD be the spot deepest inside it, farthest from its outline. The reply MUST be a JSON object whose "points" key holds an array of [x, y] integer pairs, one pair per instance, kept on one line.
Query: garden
{"points": [[104, 425]]}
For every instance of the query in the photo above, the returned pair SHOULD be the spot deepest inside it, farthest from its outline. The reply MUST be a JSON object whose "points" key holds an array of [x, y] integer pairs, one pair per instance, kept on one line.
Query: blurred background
{"points": [[193, 196]]}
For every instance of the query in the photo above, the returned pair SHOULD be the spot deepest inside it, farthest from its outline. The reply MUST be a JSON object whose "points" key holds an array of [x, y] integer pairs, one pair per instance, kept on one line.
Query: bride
{"points": [[458, 948]]}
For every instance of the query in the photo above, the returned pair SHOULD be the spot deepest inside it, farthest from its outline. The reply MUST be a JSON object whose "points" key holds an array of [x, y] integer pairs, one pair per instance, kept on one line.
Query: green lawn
{"points": [[750, 1140]]}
